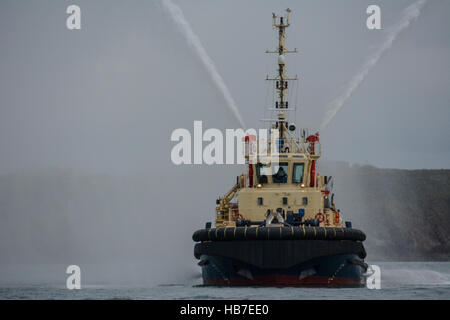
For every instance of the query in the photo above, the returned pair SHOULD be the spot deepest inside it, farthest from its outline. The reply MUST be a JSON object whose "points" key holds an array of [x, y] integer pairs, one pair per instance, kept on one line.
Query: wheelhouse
{"points": [[283, 172]]}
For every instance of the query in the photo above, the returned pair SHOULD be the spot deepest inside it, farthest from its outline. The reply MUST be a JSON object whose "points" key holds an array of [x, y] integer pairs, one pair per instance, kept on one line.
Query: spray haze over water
{"points": [[410, 14], [193, 40]]}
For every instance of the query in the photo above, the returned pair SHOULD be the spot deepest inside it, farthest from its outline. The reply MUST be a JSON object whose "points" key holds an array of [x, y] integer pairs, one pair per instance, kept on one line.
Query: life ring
{"points": [[237, 216], [320, 216], [337, 217]]}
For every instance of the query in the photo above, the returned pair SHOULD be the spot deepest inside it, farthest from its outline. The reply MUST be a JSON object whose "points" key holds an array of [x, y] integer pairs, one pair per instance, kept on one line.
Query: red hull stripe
{"points": [[284, 281]]}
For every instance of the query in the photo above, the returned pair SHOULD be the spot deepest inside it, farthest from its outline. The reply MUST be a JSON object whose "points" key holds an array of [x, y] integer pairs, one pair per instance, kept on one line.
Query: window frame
{"points": [[281, 164], [258, 167], [294, 165]]}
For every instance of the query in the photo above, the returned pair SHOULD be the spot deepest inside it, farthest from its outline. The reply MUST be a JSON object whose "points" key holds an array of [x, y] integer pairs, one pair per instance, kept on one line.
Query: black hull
{"points": [[298, 262], [331, 271]]}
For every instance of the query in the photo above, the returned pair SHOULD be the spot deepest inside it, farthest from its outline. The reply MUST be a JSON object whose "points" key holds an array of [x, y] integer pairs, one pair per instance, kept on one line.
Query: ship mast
{"points": [[281, 79]]}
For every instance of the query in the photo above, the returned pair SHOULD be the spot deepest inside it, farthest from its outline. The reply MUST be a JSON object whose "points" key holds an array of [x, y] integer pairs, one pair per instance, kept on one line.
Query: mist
{"points": [[119, 230], [100, 190]]}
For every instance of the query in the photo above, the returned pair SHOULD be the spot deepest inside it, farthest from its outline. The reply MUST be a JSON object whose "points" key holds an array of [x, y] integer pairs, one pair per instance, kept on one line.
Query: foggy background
{"points": [[86, 117]]}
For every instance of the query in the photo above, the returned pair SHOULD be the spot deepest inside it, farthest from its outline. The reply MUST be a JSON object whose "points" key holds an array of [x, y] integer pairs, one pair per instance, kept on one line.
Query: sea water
{"points": [[399, 280]]}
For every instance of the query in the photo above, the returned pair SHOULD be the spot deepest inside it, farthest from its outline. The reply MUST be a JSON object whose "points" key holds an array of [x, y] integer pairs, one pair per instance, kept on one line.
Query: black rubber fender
{"points": [[278, 233]]}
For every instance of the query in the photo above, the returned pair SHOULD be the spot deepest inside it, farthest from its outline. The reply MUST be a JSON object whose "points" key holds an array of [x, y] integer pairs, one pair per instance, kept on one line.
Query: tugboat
{"points": [[283, 228]]}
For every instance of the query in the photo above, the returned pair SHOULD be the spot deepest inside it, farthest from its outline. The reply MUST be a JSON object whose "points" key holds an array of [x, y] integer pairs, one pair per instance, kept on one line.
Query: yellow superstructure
{"points": [[285, 182]]}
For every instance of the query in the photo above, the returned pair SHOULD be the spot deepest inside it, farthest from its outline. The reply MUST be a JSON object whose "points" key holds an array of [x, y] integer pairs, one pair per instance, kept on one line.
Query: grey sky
{"points": [[107, 97]]}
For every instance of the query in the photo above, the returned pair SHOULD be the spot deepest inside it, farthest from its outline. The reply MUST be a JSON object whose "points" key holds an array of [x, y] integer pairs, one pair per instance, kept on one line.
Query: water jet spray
{"points": [[410, 14], [194, 42]]}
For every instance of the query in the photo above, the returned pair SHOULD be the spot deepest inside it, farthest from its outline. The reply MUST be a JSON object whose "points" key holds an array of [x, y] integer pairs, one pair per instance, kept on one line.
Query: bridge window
{"points": [[280, 172], [262, 173], [297, 173]]}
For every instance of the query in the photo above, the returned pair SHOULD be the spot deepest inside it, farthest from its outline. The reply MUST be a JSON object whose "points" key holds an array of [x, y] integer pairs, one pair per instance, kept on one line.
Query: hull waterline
{"points": [[332, 271]]}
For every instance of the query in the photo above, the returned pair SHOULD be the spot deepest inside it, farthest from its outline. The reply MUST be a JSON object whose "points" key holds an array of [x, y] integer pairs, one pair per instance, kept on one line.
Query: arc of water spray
{"points": [[194, 42], [410, 14]]}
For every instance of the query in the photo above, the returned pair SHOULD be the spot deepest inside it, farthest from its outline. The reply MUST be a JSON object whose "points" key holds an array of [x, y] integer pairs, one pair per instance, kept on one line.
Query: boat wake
{"points": [[414, 277]]}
